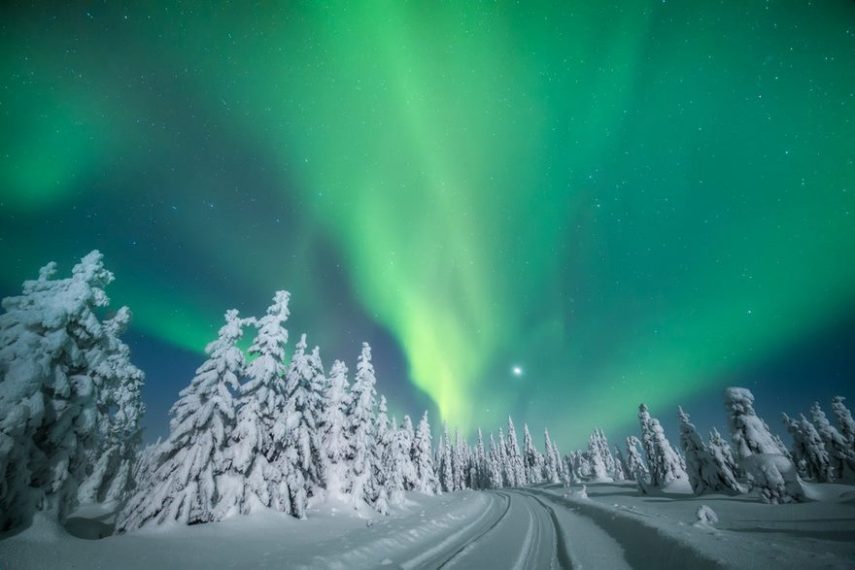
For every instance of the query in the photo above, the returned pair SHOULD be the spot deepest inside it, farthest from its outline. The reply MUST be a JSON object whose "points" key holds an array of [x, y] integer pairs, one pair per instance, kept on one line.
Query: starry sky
{"points": [[555, 210]]}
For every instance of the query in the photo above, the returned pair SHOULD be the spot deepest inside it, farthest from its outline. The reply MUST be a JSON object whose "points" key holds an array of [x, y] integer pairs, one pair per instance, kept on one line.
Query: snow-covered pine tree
{"points": [[809, 449], [482, 468], [258, 439], [504, 463], [635, 464], [186, 484], [706, 473], [721, 450], [407, 440], [335, 436], [598, 470], [619, 473], [514, 456], [55, 357], [400, 470], [302, 464], [120, 410], [550, 469], [494, 465], [533, 460], [764, 462], [422, 455], [844, 420], [446, 468], [664, 464], [840, 454], [363, 402], [378, 488]]}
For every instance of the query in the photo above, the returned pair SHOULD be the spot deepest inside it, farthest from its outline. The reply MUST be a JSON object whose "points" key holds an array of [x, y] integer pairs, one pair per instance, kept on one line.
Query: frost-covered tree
{"points": [[401, 473], [380, 463], [69, 406], [598, 469], [840, 454], [664, 463], [620, 473], [721, 450], [494, 465], [362, 405], [514, 457], [706, 473], [422, 456], [445, 467], [258, 439], [768, 469], [120, 410], [335, 438], [635, 464], [550, 469], [809, 449], [844, 420], [303, 465], [187, 483], [533, 460]]}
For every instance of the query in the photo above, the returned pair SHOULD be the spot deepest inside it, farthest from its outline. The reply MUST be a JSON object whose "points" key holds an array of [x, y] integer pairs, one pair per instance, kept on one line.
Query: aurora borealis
{"points": [[630, 201]]}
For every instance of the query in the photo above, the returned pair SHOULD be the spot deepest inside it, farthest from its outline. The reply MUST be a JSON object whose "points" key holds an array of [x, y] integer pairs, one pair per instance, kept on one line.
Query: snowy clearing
{"points": [[540, 527]]}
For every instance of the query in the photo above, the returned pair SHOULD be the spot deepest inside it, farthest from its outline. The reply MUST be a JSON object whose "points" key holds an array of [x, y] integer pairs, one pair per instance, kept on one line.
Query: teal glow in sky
{"points": [[629, 201]]}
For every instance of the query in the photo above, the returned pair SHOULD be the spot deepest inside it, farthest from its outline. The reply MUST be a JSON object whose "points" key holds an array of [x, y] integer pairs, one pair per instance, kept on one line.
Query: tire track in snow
{"points": [[562, 553], [471, 544], [424, 559]]}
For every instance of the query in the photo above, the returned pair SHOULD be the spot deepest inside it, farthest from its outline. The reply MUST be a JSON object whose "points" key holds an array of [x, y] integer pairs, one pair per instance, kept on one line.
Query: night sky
{"points": [[627, 201]]}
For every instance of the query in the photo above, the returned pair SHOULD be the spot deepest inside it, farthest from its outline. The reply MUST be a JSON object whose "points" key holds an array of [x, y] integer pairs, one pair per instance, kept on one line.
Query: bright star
{"points": [[517, 370]]}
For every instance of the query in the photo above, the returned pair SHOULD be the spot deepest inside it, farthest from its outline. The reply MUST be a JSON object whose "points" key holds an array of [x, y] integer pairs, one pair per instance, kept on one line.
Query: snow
{"points": [[599, 525]]}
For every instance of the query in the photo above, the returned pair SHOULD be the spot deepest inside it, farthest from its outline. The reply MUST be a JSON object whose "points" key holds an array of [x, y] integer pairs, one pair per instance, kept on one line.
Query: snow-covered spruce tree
{"points": [[379, 481], [302, 464], [840, 454], [768, 469], [706, 473], [445, 467], [335, 437], [809, 449], [533, 460], [514, 457], [59, 369], [482, 468], [494, 465], [120, 410], [254, 480], [407, 440], [550, 468], [422, 456], [635, 464], [598, 470], [361, 415], [664, 464], [186, 484], [619, 473], [504, 464], [400, 470], [844, 420], [721, 450], [460, 466]]}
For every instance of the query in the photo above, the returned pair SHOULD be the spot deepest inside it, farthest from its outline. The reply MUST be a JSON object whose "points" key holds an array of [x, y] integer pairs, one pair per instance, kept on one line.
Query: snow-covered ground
{"points": [[543, 527]]}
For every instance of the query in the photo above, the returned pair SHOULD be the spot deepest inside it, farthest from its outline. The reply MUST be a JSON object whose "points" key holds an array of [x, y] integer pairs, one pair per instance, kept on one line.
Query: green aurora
{"points": [[630, 200]]}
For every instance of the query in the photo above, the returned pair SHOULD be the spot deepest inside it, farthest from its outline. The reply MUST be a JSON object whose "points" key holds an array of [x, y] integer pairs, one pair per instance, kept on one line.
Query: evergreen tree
{"points": [[768, 469], [446, 469], [422, 455], [809, 449], [840, 454], [187, 482], [706, 473], [844, 420], [406, 441], [664, 463], [598, 469], [363, 402], [119, 415], [514, 457], [533, 460], [380, 460], [721, 450], [551, 471], [635, 464], [335, 438], [61, 370]]}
